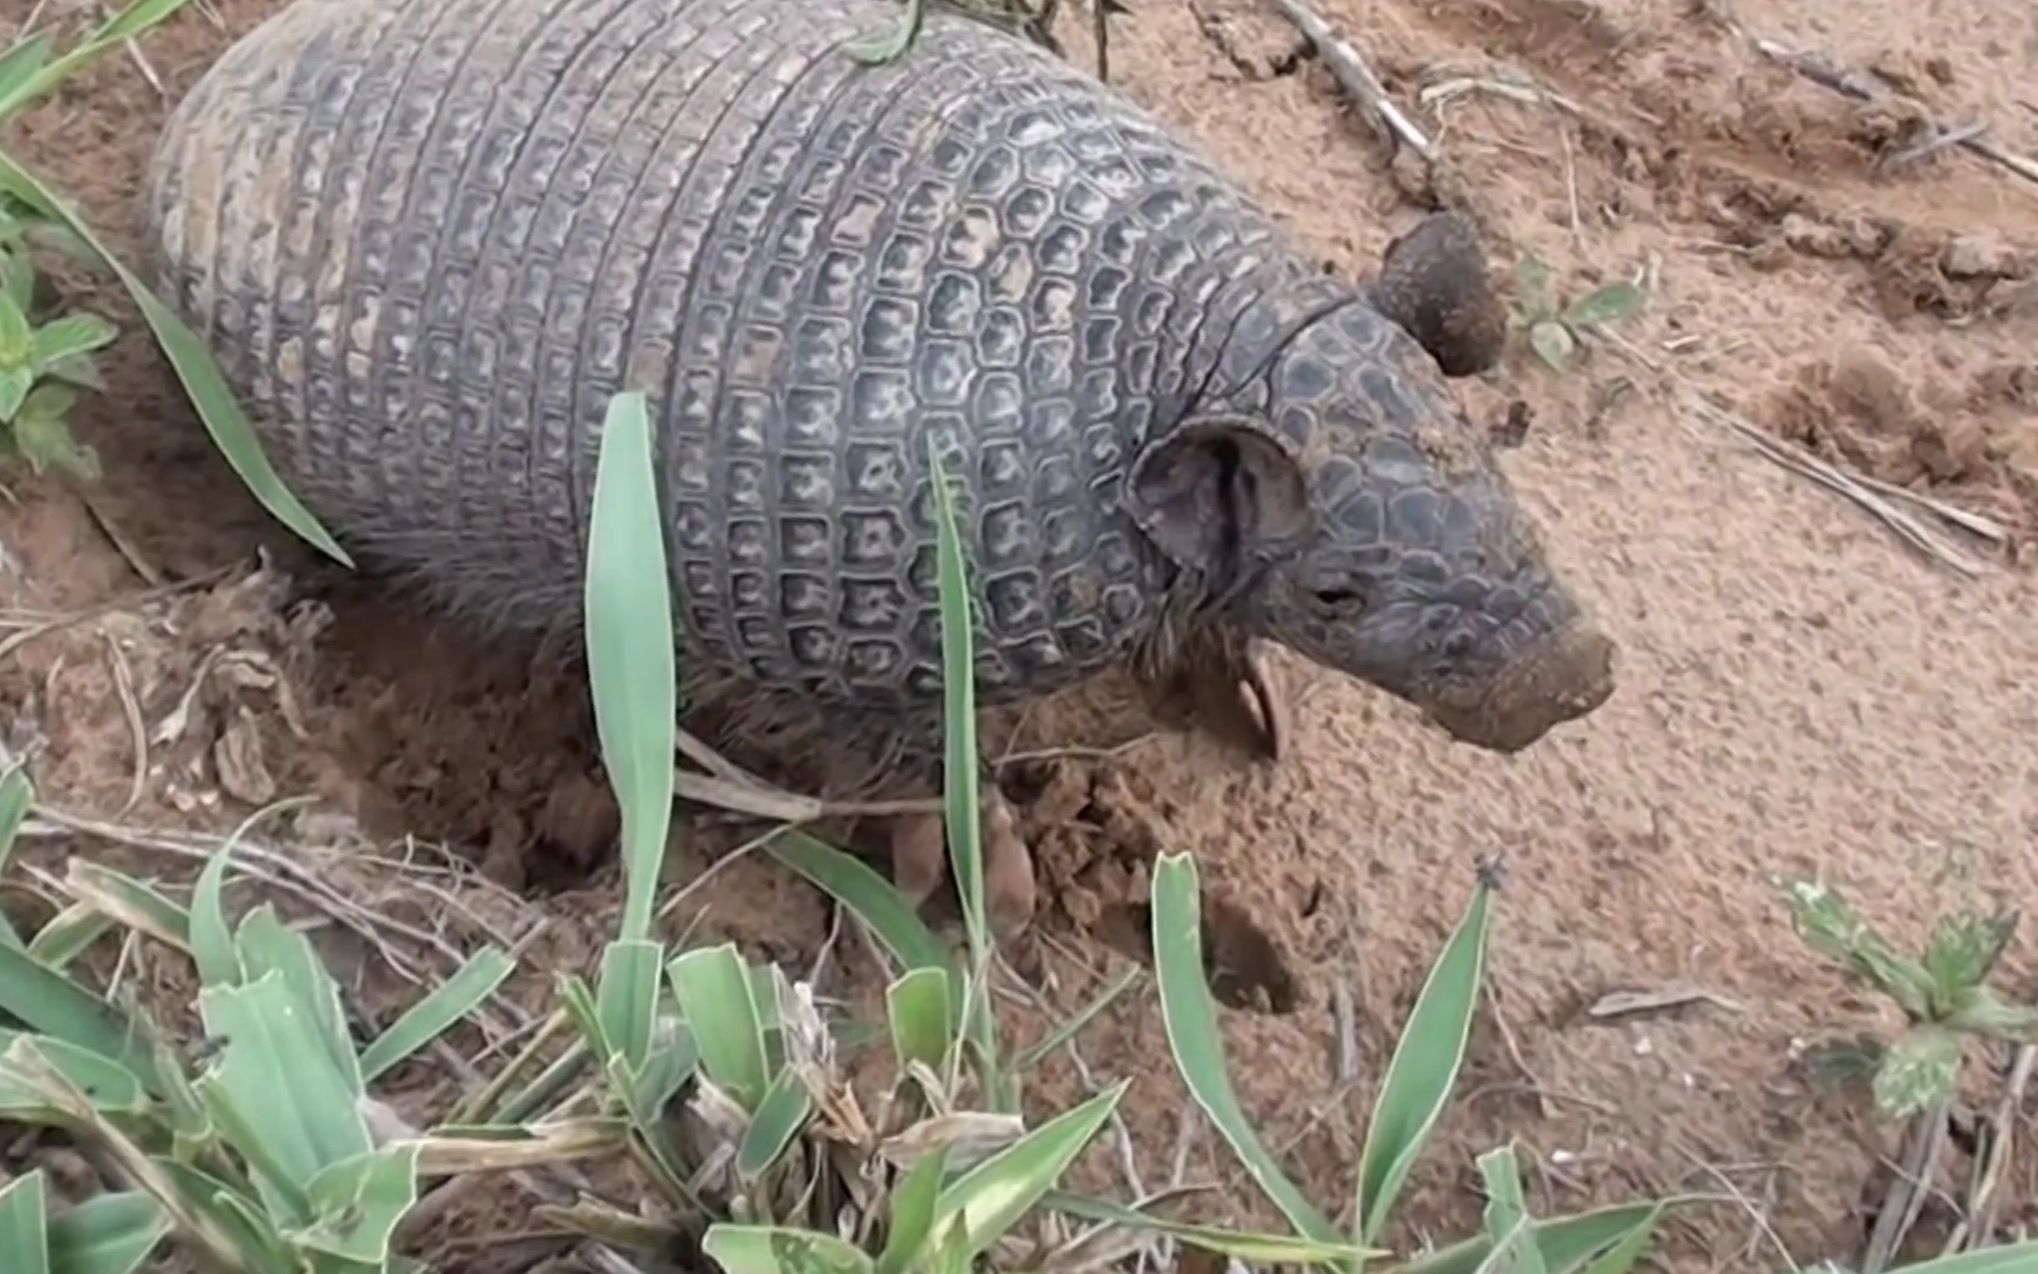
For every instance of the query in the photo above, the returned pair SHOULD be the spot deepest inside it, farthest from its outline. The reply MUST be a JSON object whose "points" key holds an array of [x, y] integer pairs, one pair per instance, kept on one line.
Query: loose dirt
{"points": [[1800, 693]]}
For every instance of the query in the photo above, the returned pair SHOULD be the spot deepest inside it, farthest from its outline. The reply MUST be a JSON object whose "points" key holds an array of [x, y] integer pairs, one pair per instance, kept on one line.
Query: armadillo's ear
{"points": [[1214, 490], [1434, 285]]}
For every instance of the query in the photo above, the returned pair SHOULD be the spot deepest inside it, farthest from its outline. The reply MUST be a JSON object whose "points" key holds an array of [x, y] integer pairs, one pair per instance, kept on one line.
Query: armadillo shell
{"points": [[429, 239]]}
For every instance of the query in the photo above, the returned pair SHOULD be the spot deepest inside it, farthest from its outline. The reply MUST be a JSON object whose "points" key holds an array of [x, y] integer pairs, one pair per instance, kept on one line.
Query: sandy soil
{"points": [[1801, 693]]}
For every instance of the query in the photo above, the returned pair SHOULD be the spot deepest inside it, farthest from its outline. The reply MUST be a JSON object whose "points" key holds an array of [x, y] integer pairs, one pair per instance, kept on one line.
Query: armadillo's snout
{"points": [[1562, 679]]}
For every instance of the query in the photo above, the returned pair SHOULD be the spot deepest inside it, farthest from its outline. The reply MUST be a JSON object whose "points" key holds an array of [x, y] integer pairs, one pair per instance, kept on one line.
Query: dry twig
{"points": [[1975, 1229], [1865, 87], [1907, 1192], [1911, 530], [123, 685], [1357, 79]]}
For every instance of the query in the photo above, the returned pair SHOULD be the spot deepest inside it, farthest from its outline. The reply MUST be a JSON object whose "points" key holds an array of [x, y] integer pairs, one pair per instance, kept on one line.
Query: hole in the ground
{"points": [[1241, 964]]}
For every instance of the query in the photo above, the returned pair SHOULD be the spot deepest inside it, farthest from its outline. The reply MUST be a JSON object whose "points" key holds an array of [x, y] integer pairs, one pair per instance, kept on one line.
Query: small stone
{"points": [[1982, 255]]}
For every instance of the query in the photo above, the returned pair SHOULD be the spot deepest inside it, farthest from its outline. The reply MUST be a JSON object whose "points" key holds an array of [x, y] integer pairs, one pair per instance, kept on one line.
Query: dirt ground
{"points": [[1801, 694]]}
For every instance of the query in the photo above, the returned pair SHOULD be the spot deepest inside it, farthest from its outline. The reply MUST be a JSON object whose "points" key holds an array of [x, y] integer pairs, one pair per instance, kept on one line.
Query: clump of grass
{"points": [[1944, 992], [720, 1078], [1554, 329], [771, 1162], [29, 70], [1412, 1098]]}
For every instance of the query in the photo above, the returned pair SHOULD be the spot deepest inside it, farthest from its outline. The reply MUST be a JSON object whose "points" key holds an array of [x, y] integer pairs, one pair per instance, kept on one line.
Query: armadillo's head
{"points": [[1338, 502]]}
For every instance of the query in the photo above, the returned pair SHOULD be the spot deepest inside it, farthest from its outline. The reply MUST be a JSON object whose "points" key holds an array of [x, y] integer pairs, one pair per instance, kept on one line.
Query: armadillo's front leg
{"points": [[919, 845]]}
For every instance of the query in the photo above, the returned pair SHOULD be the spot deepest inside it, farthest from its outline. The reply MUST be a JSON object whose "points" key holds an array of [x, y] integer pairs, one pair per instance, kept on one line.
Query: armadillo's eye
{"points": [[1337, 597]]}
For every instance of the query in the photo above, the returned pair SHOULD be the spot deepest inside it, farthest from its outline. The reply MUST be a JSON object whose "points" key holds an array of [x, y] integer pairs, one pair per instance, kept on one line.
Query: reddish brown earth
{"points": [[1801, 694]]}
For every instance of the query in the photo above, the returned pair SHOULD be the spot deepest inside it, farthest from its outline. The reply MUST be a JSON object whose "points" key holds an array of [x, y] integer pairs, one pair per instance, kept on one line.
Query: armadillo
{"points": [[430, 239]]}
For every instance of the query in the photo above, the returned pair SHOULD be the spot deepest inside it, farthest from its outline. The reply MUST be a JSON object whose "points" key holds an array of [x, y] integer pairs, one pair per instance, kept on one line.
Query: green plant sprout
{"points": [[1944, 992], [1553, 332], [44, 360]]}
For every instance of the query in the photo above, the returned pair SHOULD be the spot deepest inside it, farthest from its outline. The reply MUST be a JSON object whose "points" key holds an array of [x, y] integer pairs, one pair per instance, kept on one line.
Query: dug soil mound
{"points": [[1804, 691]]}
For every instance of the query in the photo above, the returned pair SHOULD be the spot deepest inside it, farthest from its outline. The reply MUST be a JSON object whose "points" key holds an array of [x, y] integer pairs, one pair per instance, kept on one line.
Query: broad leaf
{"points": [[1190, 1016], [107, 1234], [432, 1016], [784, 1111], [1608, 304], [763, 1249], [716, 994], [993, 1196], [631, 668], [1424, 1068]]}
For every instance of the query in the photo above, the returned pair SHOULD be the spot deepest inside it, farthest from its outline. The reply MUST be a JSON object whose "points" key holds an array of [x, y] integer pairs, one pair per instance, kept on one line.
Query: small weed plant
{"points": [[44, 358], [1943, 992], [1553, 329]]}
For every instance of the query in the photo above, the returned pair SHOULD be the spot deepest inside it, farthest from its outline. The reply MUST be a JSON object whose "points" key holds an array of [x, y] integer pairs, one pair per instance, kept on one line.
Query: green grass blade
{"points": [[129, 23], [994, 1195], [240, 1227], [212, 943], [430, 1017], [21, 64], [779, 1118], [674, 1057], [267, 944], [1088, 1013], [1565, 1242], [716, 994], [277, 1064], [631, 665], [869, 896], [1190, 1016], [765, 1249], [1424, 1068], [16, 795], [922, 1021], [910, 1220], [130, 902], [1508, 1223], [627, 998], [67, 935], [196, 369], [1621, 1257], [51, 1004], [962, 783], [109, 1086], [2020, 1258], [359, 1204], [24, 1233], [107, 1234], [1247, 1246], [958, 676]]}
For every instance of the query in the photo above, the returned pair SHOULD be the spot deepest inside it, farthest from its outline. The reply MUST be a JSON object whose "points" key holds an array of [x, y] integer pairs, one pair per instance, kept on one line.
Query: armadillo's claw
{"points": [[1257, 682], [1009, 889], [919, 848], [919, 855]]}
